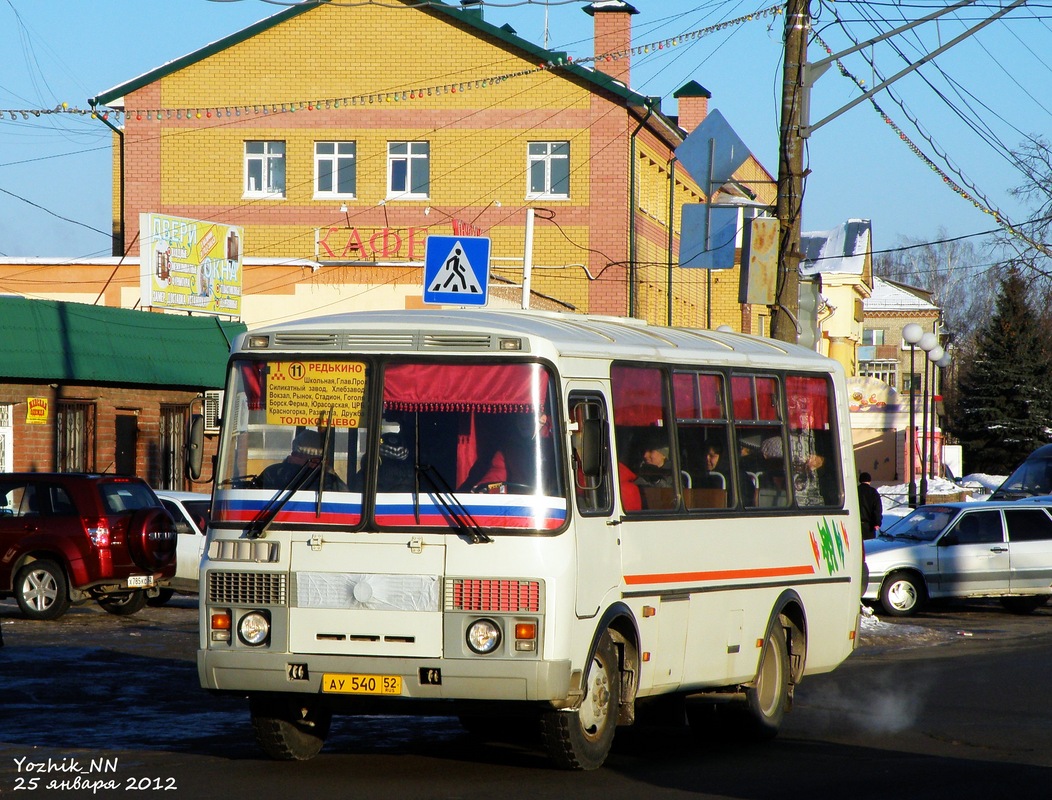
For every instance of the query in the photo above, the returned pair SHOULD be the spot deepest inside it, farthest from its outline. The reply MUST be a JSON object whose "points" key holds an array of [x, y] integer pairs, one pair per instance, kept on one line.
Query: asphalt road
{"points": [[953, 704]]}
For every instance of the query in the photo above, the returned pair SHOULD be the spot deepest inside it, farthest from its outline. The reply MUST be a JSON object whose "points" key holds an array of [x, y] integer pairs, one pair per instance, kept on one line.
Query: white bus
{"points": [[518, 516]]}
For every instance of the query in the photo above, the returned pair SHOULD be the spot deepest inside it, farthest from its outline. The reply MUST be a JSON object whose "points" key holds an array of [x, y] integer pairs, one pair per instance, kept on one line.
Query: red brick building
{"points": [[93, 389]]}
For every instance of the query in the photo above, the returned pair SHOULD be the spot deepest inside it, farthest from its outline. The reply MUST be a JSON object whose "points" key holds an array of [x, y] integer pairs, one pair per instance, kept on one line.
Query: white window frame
{"points": [[546, 157], [417, 156], [266, 162], [874, 335], [883, 369], [344, 155]]}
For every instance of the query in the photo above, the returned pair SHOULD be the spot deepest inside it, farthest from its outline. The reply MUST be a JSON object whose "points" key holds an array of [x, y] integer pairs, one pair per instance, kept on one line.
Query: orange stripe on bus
{"points": [[720, 575]]}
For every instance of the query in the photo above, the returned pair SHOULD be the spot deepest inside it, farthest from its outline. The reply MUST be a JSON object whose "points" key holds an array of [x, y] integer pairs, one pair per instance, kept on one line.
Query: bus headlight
{"points": [[254, 628], [483, 636]]}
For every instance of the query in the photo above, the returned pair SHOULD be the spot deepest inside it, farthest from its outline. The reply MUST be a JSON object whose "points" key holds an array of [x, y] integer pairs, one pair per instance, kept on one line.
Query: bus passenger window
{"points": [[812, 456], [759, 437]]}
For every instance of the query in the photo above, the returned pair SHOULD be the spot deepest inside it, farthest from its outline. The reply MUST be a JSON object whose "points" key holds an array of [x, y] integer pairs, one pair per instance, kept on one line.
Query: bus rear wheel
{"points": [[581, 739], [289, 727], [767, 698]]}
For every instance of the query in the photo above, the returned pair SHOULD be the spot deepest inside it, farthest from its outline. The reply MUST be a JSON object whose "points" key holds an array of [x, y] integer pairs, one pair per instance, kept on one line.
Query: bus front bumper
{"points": [[424, 679]]}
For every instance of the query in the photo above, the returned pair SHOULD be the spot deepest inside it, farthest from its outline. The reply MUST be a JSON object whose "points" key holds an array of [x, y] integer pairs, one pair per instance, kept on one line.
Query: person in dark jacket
{"points": [[870, 507]]}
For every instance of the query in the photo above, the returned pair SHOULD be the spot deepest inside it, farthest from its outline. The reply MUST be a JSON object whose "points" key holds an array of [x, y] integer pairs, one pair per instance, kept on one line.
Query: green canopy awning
{"points": [[46, 340]]}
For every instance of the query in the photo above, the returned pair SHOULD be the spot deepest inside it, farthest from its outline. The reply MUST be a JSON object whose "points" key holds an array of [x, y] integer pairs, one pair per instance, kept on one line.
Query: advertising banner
{"points": [[191, 265]]}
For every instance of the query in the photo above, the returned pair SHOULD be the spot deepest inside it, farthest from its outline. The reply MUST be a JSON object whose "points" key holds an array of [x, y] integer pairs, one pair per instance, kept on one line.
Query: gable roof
{"points": [[893, 296], [842, 249], [469, 19], [78, 343]]}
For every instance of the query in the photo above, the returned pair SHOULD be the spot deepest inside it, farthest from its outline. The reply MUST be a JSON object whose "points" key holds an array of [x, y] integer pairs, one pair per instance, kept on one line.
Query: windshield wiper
{"points": [[322, 465], [456, 510], [259, 524]]}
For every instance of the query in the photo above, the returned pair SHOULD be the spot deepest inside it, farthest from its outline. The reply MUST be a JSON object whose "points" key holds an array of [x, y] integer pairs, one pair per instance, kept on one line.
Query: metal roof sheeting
{"points": [[75, 342]]}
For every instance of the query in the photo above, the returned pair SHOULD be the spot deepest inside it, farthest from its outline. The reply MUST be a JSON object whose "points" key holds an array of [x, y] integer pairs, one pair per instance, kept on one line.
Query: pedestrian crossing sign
{"points": [[456, 270]]}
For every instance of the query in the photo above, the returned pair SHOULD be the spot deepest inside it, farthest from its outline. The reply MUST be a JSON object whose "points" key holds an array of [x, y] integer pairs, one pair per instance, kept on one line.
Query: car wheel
{"points": [[160, 599], [125, 604], [902, 594], [581, 739], [290, 727], [42, 590]]}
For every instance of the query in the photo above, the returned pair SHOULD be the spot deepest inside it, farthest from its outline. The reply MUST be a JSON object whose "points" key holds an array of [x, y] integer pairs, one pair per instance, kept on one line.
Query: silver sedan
{"points": [[990, 549]]}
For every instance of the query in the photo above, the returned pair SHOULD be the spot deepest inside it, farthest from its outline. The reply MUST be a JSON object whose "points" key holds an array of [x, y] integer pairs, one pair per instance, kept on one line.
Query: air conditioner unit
{"points": [[213, 408]]}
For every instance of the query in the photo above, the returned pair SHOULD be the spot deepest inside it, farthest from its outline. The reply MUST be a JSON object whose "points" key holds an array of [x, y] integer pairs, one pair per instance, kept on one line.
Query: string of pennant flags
{"points": [[258, 108]]}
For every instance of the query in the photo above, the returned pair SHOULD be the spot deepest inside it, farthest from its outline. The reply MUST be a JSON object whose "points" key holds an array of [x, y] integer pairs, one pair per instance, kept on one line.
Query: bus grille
{"points": [[248, 588], [496, 594]]}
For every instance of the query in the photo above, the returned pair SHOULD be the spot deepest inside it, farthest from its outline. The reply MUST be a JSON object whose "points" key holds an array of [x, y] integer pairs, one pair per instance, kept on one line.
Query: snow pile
{"points": [[977, 487]]}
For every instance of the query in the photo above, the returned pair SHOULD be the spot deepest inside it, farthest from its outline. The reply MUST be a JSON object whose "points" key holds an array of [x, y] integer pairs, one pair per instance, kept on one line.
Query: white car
{"points": [[991, 549], [191, 511]]}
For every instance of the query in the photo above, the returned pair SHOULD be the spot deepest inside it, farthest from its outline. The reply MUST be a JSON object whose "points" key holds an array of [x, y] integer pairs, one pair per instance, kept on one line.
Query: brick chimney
{"points": [[613, 36], [693, 100]]}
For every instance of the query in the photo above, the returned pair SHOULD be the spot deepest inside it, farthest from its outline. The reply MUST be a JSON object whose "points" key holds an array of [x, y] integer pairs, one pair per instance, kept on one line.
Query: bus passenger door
{"points": [[591, 478]]}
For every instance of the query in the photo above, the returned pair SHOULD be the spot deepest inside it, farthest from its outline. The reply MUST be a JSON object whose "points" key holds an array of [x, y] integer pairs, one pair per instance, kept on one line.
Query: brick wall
{"points": [[191, 162], [35, 444]]}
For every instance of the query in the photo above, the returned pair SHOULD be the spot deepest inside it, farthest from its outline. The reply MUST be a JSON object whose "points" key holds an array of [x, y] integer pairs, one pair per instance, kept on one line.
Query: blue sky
{"points": [[978, 99]]}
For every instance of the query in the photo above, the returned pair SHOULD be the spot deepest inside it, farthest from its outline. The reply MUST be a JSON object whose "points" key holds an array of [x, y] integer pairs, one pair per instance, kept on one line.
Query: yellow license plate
{"points": [[340, 683]]}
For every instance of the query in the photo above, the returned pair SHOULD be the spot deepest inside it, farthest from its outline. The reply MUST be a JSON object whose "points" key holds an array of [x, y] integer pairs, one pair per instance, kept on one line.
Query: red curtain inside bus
{"points": [[467, 389], [697, 396], [252, 373], [490, 388], [639, 397], [755, 398], [808, 399]]}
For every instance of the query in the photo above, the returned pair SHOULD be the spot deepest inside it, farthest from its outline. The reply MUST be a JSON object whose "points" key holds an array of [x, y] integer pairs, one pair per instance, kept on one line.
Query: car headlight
{"points": [[483, 636], [254, 628]]}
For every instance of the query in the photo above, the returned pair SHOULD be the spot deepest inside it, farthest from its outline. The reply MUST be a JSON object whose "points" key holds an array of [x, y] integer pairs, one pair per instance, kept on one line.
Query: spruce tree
{"points": [[1004, 402]]}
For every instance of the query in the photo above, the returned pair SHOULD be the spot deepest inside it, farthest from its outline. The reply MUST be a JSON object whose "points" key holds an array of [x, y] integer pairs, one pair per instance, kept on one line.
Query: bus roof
{"points": [[569, 335]]}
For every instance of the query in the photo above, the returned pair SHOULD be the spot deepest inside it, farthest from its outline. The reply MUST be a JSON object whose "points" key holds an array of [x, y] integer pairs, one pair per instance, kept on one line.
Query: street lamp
{"points": [[911, 334], [929, 343]]}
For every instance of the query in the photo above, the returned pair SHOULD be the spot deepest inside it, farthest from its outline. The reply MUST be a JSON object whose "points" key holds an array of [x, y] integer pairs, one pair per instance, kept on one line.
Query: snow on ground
{"points": [[885, 634]]}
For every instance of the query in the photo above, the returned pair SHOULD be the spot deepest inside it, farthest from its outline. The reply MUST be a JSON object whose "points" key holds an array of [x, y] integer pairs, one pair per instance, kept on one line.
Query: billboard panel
{"points": [[190, 265]]}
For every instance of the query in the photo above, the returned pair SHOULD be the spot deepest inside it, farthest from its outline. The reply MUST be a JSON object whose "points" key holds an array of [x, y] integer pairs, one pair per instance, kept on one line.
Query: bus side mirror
{"points": [[195, 446], [592, 446]]}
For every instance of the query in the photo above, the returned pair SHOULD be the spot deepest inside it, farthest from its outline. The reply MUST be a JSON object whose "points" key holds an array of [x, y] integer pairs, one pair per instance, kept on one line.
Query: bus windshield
{"points": [[438, 444]]}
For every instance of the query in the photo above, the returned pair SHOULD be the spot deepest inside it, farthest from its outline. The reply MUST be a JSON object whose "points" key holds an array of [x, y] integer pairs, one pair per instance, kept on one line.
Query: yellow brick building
{"points": [[341, 136]]}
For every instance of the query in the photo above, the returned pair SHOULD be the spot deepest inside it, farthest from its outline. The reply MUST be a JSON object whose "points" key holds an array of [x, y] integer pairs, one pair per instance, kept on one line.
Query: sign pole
{"points": [[527, 260]]}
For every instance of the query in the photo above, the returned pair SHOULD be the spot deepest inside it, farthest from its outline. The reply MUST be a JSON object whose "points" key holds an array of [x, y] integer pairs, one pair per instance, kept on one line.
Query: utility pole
{"points": [[784, 323]]}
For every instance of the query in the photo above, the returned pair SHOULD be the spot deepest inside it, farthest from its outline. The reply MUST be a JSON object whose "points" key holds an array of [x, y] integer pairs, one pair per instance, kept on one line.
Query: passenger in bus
{"points": [[523, 462], [750, 457], [813, 481], [714, 476], [396, 472], [655, 469], [306, 454]]}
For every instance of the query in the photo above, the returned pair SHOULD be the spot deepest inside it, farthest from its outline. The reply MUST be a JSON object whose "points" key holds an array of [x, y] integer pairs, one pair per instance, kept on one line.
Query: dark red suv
{"points": [[68, 538]]}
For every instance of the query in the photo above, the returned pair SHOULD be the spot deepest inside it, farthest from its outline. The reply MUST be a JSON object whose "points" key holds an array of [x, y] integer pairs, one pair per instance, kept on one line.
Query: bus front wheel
{"points": [[289, 727], [581, 739]]}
